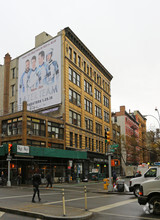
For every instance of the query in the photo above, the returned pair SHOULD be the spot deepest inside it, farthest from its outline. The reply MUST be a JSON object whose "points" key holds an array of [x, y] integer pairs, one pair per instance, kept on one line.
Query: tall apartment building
{"points": [[60, 78]]}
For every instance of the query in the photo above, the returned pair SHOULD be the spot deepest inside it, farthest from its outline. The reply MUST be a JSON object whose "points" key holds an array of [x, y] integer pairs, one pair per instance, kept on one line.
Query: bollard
{"points": [[63, 198], [85, 197]]}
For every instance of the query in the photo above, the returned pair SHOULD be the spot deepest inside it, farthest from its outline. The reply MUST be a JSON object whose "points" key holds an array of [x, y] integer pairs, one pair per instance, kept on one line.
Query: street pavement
{"points": [[100, 204]]}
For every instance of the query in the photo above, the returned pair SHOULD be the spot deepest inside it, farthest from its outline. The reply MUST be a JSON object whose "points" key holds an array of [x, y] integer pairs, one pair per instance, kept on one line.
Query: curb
{"points": [[43, 216]]}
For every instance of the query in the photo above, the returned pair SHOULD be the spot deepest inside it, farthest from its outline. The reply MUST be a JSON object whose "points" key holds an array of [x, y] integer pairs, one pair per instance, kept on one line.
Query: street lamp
{"points": [[156, 109], [154, 118]]}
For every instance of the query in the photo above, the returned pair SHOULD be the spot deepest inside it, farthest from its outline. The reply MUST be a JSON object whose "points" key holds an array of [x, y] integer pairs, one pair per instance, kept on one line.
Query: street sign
{"points": [[114, 146], [112, 150]]}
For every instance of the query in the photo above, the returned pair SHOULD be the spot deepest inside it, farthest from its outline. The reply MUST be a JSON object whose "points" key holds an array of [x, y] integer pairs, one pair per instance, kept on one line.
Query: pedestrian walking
{"points": [[114, 177], [36, 182], [49, 180]]}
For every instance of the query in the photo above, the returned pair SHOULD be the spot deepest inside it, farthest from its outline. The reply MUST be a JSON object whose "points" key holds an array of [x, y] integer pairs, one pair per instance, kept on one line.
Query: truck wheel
{"points": [[136, 190], [154, 205]]}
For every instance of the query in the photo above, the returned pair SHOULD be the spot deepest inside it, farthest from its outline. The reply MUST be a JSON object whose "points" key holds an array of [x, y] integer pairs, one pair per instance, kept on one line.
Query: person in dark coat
{"points": [[36, 179], [114, 177], [49, 180]]}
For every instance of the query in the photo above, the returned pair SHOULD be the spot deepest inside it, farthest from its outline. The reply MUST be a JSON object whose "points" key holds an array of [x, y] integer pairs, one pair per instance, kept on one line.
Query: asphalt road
{"points": [[104, 206]]}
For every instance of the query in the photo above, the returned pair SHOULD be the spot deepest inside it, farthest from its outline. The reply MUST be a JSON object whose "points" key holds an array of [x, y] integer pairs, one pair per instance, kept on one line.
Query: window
{"points": [[71, 139], [152, 172], [75, 57], [92, 144], [13, 90], [98, 129], [87, 69], [88, 106], [70, 53], [106, 117], [84, 66], [79, 61], [97, 95], [88, 124], [74, 118], [12, 126], [89, 144], [87, 87], [12, 107], [98, 112], [86, 143], [106, 101], [91, 72], [36, 143], [55, 130], [80, 141], [95, 76], [75, 98], [97, 149], [76, 140], [13, 73], [74, 77], [114, 133], [36, 127]]}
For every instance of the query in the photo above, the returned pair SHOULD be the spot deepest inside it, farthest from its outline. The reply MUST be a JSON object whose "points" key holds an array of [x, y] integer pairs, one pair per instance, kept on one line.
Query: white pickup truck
{"points": [[135, 183], [150, 193]]}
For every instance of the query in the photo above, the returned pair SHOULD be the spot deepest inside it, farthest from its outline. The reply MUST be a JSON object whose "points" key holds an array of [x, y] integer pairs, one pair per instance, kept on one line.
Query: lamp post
{"points": [[156, 109], [154, 118]]}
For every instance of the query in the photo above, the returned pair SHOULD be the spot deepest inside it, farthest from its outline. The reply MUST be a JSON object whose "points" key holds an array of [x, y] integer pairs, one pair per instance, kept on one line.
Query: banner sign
{"points": [[39, 76]]}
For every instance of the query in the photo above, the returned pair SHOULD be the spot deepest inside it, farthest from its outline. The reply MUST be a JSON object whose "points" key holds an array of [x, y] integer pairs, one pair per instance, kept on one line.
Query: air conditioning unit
{"points": [[2, 135], [79, 104], [91, 93], [30, 132], [100, 117]]}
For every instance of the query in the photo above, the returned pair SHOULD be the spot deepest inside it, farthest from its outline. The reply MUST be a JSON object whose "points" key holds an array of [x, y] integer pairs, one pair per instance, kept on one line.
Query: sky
{"points": [[124, 35]]}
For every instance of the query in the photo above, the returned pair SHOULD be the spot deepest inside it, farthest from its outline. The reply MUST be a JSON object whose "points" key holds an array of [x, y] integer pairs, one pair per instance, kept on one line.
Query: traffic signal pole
{"points": [[9, 161], [107, 140], [110, 186]]}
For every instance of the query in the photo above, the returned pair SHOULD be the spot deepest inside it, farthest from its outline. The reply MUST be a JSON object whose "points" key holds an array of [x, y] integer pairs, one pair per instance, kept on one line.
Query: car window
{"points": [[151, 172]]}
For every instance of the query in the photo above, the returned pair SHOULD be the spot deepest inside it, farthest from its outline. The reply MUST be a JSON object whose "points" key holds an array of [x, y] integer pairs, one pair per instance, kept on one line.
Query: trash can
{"points": [[106, 183], [120, 185]]}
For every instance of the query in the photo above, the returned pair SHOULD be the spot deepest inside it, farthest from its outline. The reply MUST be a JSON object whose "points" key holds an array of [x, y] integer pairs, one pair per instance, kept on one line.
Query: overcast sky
{"points": [[123, 34]]}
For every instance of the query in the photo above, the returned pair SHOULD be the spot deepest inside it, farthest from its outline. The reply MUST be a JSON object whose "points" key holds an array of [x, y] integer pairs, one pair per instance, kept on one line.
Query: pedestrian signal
{"points": [[9, 148]]}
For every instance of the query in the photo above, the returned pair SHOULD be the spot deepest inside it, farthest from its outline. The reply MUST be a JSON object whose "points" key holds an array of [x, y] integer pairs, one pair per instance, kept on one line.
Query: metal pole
{"points": [[110, 187], [63, 199], [9, 173], [85, 197]]}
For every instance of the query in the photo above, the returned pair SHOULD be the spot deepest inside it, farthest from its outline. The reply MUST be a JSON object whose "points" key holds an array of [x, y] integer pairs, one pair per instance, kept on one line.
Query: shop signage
{"points": [[22, 149], [100, 160]]}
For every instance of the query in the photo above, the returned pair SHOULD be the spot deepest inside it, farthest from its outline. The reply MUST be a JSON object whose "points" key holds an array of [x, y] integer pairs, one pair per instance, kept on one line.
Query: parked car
{"points": [[150, 193], [135, 183]]}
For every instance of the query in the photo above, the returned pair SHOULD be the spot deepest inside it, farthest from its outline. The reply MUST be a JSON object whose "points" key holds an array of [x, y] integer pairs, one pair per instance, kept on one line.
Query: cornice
{"points": [[79, 44]]}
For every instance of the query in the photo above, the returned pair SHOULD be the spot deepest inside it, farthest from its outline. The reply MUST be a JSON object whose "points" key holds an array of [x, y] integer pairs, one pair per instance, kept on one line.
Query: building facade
{"points": [[144, 154], [129, 137], [61, 79]]}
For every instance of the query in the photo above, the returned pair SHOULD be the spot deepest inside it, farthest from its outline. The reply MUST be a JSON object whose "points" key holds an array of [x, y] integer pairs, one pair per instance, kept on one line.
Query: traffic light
{"points": [[9, 148], [107, 136]]}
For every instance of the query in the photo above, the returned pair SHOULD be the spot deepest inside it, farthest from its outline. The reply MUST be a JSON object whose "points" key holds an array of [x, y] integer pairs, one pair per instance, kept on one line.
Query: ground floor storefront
{"points": [[63, 165]]}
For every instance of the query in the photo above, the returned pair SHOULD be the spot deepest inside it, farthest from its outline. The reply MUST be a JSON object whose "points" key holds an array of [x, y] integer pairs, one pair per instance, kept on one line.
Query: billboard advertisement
{"points": [[39, 76]]}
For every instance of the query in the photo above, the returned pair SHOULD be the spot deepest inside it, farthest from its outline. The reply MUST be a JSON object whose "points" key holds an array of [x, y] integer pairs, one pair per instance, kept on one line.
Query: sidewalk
{"points": [[41, 211]]}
